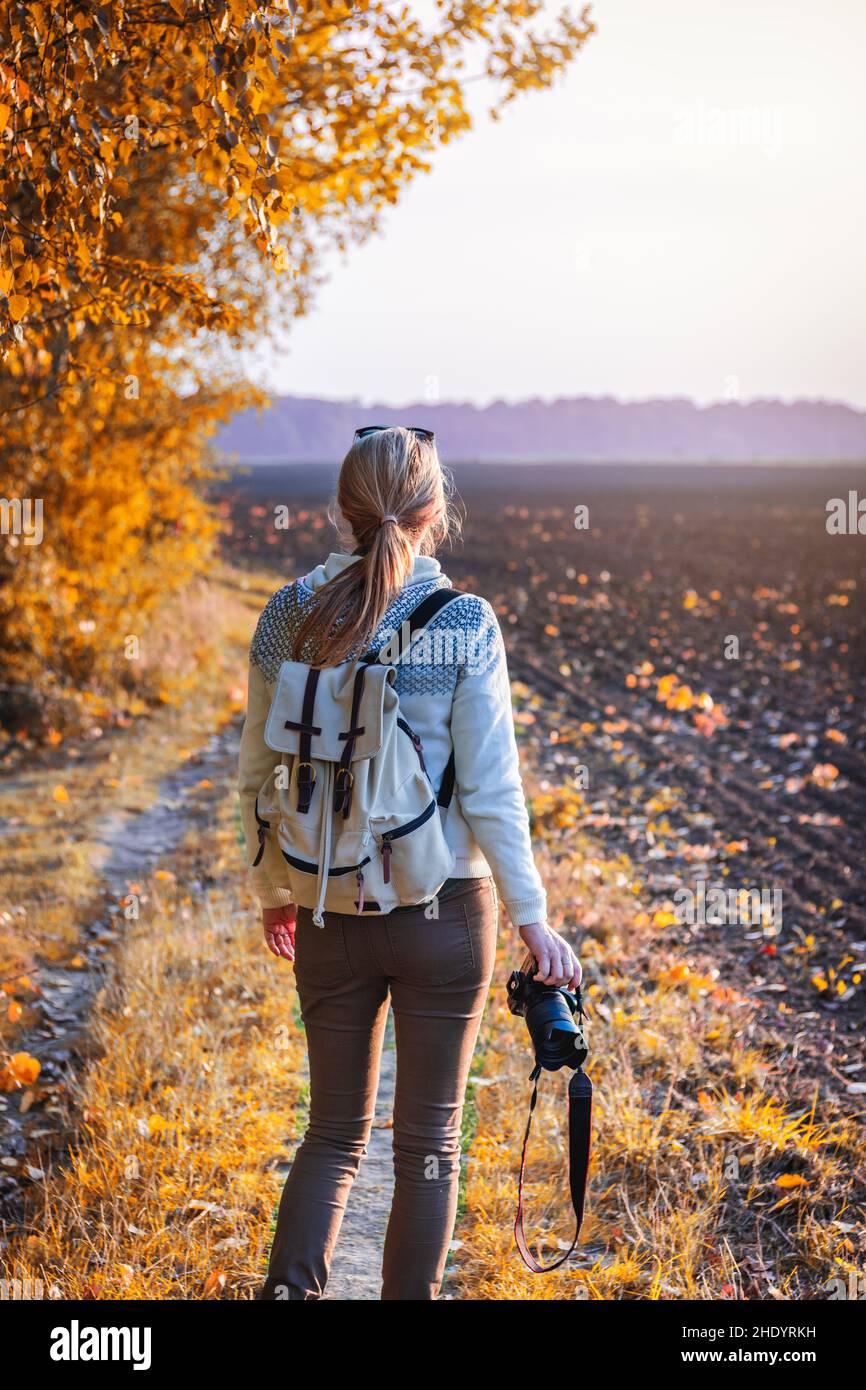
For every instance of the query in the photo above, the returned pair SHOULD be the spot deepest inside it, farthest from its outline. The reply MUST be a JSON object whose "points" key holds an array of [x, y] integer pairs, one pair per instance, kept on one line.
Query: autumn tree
{"points": [[171, 172]]}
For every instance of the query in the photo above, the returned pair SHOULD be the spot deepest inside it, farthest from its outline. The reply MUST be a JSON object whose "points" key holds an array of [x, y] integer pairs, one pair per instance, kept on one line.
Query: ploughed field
{"points": [[689, 674]]}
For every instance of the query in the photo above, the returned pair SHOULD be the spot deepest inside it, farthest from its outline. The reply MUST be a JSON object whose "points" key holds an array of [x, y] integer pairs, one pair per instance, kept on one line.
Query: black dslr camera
{"points": [[550, 1017], [558, 1042]]}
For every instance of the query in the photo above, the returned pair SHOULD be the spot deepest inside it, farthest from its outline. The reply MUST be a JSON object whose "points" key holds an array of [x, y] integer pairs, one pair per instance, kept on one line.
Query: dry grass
{"points": [[195, 1060], [169, 1187], [712, 1175], [53, 801]]}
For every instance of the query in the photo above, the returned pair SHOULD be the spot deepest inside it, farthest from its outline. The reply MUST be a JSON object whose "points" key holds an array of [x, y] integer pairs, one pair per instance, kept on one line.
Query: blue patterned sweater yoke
{"points": [[436, 662]]}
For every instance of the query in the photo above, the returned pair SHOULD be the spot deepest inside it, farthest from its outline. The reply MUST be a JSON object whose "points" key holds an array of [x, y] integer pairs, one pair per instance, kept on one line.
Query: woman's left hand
{"points": [[279, 928]]}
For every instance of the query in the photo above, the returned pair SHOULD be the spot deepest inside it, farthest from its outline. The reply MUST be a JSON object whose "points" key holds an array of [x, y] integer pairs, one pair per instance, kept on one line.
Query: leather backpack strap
{"points": [[579, 1146], [446, 786], [418, 619], [307, 728], [345, 778]]}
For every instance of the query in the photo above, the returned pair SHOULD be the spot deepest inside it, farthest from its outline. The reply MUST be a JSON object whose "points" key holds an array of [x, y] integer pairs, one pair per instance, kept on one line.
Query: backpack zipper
{"points": [[388, 835], [308, 868], [401, 724]]}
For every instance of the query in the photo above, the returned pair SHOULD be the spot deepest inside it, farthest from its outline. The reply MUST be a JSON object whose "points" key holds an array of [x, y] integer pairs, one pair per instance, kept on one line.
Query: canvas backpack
{"points": [[356, 816]]}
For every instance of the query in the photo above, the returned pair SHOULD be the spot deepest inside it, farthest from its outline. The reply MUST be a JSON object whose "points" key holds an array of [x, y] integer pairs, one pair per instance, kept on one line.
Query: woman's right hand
{"points": [[556, 962], [279, 928]]}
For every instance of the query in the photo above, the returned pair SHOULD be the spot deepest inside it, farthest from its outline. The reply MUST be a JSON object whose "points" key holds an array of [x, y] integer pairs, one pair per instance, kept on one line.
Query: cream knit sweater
{"points": [[454, 692]]}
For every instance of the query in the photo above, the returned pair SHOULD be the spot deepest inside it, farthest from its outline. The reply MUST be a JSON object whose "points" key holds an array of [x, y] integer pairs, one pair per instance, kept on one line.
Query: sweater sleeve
{"points": [[487, 772], [257, 760]]}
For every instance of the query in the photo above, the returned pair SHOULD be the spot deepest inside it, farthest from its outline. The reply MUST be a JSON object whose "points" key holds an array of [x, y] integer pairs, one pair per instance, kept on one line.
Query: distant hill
{"points": [[296, 429]]}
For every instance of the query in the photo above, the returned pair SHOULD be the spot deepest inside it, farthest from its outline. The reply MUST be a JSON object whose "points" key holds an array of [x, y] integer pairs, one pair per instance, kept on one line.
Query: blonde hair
{"points": [[393, 497]]}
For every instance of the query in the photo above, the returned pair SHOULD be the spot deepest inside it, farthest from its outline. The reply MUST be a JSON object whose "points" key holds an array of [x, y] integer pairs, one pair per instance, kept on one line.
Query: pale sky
{"points": [[682, 215]]}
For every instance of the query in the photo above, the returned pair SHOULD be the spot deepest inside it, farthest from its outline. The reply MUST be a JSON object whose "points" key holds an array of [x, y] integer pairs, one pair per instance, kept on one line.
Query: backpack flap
{"points": [[314, 713]]}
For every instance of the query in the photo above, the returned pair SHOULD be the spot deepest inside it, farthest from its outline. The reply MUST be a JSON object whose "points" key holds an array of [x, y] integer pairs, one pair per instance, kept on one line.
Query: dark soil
{"points": [[582, 609]]}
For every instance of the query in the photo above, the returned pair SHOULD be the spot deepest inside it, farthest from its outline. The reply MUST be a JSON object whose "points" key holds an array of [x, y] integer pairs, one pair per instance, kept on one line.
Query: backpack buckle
{"points": [[305, 785], [343, 793]]}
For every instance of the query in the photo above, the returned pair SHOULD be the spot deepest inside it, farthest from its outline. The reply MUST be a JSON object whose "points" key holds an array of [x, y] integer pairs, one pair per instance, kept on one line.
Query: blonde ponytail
{"points": [[392, 497]]}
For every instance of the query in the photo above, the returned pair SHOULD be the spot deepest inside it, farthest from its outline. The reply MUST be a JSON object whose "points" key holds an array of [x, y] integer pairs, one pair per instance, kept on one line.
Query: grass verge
{"points": [[715, 1174]]}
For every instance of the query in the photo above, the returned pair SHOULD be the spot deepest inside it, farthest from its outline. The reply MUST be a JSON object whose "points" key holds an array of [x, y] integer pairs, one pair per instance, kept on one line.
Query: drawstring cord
{"points": [[324, 845]]}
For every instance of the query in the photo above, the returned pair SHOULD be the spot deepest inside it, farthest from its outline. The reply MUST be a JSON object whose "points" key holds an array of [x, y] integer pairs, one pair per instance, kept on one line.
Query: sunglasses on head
{"points": [[418, 432]]}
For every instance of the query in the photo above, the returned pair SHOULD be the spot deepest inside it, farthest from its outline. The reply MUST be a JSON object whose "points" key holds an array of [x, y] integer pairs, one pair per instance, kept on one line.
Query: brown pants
{"points": [[437, 974]]}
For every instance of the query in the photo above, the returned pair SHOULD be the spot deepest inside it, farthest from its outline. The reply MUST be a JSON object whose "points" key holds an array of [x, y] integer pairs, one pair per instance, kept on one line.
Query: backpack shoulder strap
{"points": [[414, 625], [418, 619]]}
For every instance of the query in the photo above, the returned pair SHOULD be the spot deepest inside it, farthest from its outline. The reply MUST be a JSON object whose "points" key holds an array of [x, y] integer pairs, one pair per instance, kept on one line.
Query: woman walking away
{"points": [[384, 691]]}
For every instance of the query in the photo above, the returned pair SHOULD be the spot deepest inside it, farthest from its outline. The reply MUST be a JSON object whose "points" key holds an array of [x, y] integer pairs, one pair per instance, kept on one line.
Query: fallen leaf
{"points": [[824, 774], [19, 1070]]}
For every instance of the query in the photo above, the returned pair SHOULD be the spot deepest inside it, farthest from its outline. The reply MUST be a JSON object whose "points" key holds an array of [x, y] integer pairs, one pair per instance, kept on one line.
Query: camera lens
{"points": [[558, 1042]]}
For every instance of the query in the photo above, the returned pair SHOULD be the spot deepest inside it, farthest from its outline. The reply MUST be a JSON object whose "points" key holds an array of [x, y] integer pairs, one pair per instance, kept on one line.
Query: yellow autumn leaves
{"points": [[19, 1070], [158, 168], [676, 695]]}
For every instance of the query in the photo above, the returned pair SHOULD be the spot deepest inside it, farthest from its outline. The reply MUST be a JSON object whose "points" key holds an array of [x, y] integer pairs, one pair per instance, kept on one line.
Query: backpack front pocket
{"points": [[347, 875], [414, 855]]}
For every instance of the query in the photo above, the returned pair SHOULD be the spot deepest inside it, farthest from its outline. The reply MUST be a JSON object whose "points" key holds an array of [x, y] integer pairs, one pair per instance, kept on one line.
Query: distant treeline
{"points": [[296, 429]]}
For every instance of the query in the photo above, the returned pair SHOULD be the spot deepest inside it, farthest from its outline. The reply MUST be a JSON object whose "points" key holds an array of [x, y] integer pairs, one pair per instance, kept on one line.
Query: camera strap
{"points": [[579, 1143]]}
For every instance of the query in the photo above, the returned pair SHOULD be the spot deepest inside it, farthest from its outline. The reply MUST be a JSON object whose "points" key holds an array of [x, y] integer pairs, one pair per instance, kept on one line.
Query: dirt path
{"points": [[127, 845], [130, 843]]}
